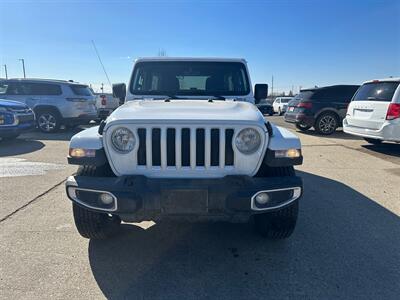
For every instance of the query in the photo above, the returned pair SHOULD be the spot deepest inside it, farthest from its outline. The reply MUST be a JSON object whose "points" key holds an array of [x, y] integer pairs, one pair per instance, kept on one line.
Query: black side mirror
{"points": [[260, 92], [119, 91]]}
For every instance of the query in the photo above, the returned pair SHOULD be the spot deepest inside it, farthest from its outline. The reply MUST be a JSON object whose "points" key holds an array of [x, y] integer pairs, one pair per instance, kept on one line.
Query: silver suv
{"points": [[55, 102]]}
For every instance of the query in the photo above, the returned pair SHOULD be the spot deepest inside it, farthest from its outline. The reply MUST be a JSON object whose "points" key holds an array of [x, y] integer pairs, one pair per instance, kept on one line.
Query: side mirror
{"points": [[260, 92], [119, 91]]}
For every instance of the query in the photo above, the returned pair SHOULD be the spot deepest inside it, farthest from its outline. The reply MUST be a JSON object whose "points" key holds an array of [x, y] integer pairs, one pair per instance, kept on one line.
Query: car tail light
{"points": [[103, 100], [393, 111], [305, 104]]}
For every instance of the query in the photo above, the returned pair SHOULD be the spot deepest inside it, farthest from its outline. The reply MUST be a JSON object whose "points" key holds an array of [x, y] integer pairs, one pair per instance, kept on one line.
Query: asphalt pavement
{"points": [[346, 244]]}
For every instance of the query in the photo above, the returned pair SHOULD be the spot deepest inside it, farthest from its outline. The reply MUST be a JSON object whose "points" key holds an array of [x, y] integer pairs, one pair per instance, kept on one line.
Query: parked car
{"points": [[15, 118], [177, 150], [280, 104], [265, 107], [55, 102], [322, 108], [105, 105], [374, 112]]}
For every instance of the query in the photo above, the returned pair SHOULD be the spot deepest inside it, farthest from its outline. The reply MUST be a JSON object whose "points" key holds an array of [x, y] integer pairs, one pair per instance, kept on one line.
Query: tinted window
{"points": [[304, 95], [3, 88], [335, 94], [285, 100], [81, 90], [29, 88], [190, 78], [381, 91]]}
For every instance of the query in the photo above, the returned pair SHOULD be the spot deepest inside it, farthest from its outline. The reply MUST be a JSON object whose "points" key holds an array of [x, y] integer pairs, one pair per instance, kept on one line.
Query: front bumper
{"points": [[138, 198], [390, 131], [6, 131], [83, 119]]}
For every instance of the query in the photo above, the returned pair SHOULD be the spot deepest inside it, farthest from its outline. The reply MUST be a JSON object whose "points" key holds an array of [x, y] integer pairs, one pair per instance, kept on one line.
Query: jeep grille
{"points": [[185, 147]]}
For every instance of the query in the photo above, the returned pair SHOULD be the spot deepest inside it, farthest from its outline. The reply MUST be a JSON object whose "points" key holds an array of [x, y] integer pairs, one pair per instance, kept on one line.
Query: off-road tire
{"points": [[90, 224], [278, 224], [326, 123], [302, 127], [373, 141], [52, 116]]}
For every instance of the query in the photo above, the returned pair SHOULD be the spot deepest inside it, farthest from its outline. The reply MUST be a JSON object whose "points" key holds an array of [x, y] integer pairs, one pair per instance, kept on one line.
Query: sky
{"points": [[300, 43]]}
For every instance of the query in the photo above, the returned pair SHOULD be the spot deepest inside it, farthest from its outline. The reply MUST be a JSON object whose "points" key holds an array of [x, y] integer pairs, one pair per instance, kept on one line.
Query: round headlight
{"points": [[248, 141], [123, 140]]}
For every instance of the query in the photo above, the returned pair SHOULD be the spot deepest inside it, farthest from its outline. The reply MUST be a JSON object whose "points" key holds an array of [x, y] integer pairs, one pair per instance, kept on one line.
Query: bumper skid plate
{"points": [[149, 198]]}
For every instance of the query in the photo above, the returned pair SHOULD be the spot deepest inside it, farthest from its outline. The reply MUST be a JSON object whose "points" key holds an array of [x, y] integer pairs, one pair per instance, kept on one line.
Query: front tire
{"points": [[373, 141], [90, 224], [302, 127], [281, 223], [94, 225]]}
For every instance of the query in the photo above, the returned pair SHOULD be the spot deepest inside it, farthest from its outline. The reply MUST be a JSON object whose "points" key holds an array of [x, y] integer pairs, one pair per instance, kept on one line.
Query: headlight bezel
{"points": [[255, 148], [118, 149]]}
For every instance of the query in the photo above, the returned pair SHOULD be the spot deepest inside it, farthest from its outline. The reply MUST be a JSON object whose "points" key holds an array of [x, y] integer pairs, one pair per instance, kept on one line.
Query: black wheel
{"points": [[373, 141], [48, 121], [271, 113], [327, 123], [279, 111], [302, 127], [281, 223], [90, 224]]}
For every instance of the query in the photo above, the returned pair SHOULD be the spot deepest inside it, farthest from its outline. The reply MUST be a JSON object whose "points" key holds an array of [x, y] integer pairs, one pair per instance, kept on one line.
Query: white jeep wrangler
{"points": [[190, 144]]}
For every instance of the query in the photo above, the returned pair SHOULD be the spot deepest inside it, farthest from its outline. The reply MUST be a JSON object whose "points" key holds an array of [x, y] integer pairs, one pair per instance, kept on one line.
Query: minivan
{"points": [[54, 102], [323, 108], [374, 112]]}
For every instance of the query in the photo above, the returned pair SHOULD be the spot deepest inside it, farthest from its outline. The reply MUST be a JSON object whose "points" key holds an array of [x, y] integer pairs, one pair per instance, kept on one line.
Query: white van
{"points": [[374, 112]]}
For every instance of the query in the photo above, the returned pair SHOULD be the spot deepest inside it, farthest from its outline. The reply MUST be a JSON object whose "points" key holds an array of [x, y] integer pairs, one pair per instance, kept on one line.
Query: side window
{"points": [[13, 88], [45, 89]]}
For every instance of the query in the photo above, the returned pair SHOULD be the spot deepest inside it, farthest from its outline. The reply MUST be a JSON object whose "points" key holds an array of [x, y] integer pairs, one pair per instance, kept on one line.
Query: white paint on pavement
{"points": [[13, 167]]}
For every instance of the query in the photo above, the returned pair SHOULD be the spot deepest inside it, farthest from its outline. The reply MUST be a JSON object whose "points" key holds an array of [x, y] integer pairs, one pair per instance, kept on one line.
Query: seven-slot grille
{"points": [[185, 147]]}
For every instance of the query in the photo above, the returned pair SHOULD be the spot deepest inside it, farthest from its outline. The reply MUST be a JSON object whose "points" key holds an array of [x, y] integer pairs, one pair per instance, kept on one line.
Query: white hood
{"points": [[190, 110]]}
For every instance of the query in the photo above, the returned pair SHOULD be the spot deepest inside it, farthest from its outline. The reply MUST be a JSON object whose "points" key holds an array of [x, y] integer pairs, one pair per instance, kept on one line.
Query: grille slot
{"points": [[229, 156], [185, 147], [156, 146], [142, 147], [214, 147]]}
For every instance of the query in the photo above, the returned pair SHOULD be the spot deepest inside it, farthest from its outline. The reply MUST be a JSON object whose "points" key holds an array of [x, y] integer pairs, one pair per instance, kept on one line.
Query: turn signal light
{"points": [[80, 152], [393, 111], [289, 153]]}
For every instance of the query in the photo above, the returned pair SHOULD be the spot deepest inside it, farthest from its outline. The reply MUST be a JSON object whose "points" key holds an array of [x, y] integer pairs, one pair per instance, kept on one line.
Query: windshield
{"points": [[190, 78], [81, 90], [382, 91]]}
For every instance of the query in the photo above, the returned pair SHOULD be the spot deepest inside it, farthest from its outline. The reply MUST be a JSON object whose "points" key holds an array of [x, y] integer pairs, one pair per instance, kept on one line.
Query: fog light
{"points": [[106, 198], [262, 198]]}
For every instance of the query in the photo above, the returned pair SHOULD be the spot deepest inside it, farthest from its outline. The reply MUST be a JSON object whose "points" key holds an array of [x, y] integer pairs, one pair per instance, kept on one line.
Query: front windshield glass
{"points": [[190, 78]]}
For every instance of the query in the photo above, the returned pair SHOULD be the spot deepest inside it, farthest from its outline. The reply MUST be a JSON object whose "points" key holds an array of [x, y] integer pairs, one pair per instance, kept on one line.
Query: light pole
{"points": [[5, 70], [23, 65]]}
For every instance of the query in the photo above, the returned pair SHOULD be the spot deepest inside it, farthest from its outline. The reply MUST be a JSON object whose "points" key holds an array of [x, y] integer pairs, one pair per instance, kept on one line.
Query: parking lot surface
{"points": [[345, 245]]}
